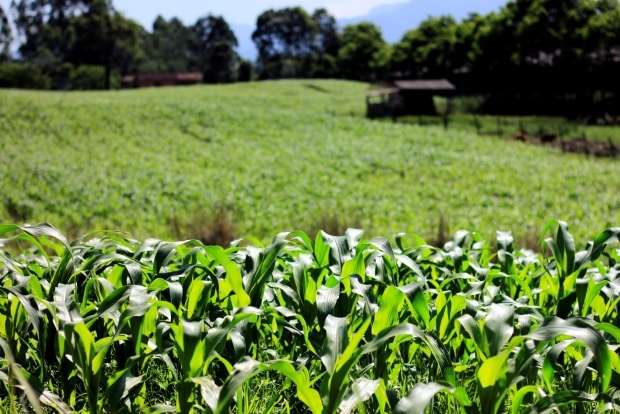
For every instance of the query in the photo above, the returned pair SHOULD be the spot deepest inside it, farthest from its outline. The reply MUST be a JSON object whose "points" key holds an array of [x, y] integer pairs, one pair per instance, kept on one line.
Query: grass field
{"points": [[274, 156]]}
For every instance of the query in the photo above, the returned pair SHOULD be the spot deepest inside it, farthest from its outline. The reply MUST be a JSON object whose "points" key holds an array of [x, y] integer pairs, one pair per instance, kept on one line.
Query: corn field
{"points": [[334, 324]]}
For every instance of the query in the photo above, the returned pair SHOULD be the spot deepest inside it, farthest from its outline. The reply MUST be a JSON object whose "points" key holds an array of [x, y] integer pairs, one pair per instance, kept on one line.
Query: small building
{"points": [[145, 80], [407, 97]]}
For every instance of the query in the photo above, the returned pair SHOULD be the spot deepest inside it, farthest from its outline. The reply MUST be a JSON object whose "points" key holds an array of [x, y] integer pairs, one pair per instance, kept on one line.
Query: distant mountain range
{"points": [[394, 19]]}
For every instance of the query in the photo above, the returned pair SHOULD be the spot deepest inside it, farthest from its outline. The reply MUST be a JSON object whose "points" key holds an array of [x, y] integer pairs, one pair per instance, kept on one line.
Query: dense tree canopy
{"points": [[61, 34], [326, 44], [531, 55], [214, 49], [5, 35], [293, 43], [104, 38], [284, 39], [166, 46], [76, 32], [364, 54], [45, 27], [429, 50]]}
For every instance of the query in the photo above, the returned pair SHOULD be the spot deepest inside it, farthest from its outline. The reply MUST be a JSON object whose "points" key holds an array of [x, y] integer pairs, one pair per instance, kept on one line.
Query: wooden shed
{"points": [[407, 97], [144, 80]]}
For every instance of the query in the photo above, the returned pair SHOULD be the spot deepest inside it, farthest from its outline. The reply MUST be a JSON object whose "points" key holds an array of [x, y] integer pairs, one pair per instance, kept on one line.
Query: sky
{"points": [[393, 16], [236, 11], [240, 11], [244, 12]]}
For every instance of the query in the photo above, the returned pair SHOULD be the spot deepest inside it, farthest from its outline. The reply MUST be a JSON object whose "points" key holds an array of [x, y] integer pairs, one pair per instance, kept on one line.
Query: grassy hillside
{"points": [[276, 156]]}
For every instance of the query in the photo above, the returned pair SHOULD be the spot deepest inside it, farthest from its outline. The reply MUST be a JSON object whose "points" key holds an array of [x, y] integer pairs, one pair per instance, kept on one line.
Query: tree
{"points": [[128, 48], [428, 50], [467, 49], [168, 47], [292, 43], [78, 32], [364, 55], [326, 44], [285, 40], [214, 49], [602, 34], [5, 35], [45, 27], [106, 38]]}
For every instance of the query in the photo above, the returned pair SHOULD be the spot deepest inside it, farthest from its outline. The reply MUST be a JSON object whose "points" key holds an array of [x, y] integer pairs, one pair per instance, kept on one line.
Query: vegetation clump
{"points": [[334, 324]]}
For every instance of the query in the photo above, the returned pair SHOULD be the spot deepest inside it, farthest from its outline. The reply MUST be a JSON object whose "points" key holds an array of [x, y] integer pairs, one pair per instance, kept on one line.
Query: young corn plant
{"points": [[323, 325]]}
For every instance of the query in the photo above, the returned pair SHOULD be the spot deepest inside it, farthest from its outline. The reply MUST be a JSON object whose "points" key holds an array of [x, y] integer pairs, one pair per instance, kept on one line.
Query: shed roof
{"points": [[381, 91], [189, 76], [425, 85], [165, 76]]}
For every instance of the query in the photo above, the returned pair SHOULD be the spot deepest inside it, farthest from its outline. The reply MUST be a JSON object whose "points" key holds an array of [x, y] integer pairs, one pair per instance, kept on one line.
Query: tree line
{"points": [[565, 51], [89, 44]]}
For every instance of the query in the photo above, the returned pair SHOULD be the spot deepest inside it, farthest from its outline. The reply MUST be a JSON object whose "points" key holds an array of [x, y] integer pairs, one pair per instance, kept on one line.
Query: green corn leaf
{"points": [[389, 305], [327, 298], [610, 329], [421, 307], [418, 399], [193, 349], [119, 387], [16, 371], [233, 274], [243, 371], [335, 340], [306, 394], [498, 326], [493, 369], [53, 401], [362, 390], [194, 296], [582, 331], [517, 400], [209, 391], [163, 255], [561, 399]]}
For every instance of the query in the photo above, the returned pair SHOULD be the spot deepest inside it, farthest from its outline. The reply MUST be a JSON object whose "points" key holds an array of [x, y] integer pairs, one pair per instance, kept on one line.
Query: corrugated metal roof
{"points": [[425, 85], [173, 76], [190, 76], [381, 91]]}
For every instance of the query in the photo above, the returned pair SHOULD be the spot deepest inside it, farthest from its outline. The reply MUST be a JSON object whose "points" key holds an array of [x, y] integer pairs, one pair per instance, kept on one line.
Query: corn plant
{"points": [[324, 325]]}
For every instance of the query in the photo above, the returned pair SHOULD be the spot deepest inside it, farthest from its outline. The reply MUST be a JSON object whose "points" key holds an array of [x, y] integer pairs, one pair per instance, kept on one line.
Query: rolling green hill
{"points": [[275, 156]]}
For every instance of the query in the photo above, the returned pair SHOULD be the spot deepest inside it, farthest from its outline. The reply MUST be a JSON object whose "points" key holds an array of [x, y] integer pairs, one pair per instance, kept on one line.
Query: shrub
{"points": [[87, 77], [23, 75]]}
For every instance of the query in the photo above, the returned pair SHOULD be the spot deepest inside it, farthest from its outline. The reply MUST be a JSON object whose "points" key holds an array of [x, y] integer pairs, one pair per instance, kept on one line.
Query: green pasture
{"points": [[274, 156]]}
